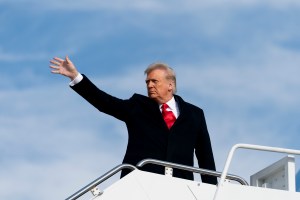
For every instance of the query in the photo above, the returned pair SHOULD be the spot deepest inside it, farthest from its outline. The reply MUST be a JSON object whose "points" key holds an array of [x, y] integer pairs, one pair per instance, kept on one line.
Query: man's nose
{"points": [[150, 84]]}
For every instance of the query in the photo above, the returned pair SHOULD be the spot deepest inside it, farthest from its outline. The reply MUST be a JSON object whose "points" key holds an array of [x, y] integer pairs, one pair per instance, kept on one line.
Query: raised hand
{"points": [[63, 67]]}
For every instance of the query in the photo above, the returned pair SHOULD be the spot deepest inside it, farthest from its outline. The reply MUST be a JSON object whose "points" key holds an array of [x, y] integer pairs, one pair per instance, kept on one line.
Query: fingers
{"points": [[58, 59], [68, 60], [56, 64], [55, 69], [63, 67]]}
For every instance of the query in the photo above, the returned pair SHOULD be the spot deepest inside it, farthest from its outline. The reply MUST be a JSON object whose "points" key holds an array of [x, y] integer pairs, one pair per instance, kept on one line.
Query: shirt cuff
{"points": [[76, 80]]}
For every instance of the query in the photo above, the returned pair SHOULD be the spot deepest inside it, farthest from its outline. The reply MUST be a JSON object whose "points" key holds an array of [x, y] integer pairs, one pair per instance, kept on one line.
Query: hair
{"points": [[170, 72]]}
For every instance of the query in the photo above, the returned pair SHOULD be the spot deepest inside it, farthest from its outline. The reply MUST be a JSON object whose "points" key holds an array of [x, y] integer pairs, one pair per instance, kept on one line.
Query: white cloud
{"points": [[150, 5], [247, 103], [48, 141], [15, 56], [50, 136], [271, 77], [12, 57]]}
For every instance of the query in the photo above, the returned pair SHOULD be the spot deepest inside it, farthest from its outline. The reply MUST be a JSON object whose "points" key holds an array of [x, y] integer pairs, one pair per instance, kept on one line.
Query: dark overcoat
{"points": [[148, 135]]}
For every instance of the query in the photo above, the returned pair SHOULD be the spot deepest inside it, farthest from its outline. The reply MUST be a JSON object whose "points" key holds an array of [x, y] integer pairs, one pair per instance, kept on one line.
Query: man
{"points": [[149, 135]]}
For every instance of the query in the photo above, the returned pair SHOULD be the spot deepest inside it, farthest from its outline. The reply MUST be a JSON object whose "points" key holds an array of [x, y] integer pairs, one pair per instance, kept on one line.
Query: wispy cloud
{"points": [[59, 133], [42, 146], [13, 57], [247, 102], [239, 62], [154, 6]]}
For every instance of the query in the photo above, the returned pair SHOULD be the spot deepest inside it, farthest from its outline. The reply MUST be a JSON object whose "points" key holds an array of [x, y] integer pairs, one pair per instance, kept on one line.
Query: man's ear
{"points": [[171, 86]]}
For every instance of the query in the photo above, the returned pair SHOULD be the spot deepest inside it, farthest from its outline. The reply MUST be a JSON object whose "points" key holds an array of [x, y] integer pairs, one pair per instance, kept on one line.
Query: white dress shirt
{"points": [[76, 80], [172, 107]]}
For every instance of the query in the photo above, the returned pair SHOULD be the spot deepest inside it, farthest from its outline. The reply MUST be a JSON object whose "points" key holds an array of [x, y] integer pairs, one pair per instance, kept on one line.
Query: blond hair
{"points": [[170, 72]]}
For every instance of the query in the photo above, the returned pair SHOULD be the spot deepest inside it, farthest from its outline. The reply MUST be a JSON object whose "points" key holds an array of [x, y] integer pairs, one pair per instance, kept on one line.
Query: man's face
{"points": [[159, 88]]}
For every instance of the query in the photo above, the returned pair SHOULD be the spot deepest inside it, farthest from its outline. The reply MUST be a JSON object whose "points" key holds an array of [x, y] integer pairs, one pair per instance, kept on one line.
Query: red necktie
{"points": [[168, 116]]}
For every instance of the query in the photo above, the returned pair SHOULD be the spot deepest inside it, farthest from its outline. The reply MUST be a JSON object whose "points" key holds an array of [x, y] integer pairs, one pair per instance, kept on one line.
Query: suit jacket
{"points": [[148, 135]]}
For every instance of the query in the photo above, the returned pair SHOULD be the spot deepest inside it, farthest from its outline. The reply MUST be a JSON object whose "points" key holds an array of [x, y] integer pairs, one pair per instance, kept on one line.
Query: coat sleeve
{"points": [[204, 152], [104, 102]]}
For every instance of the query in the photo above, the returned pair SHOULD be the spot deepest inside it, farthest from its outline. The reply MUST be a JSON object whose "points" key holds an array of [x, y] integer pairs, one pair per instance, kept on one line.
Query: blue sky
{"points": [[238, 61]]}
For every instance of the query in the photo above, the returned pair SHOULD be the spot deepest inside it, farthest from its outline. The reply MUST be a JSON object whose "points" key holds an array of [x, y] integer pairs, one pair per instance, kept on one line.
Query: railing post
{"points": [[253, 147], [191, 169], [99, 180]]}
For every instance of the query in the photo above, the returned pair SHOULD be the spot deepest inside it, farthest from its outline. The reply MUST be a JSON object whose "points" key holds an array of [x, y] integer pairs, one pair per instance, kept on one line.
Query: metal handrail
{"points": [[192, 169], [253, 147], [100, 180]]}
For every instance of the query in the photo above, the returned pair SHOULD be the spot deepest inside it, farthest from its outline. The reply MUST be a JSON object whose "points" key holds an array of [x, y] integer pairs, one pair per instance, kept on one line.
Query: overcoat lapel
{"points": [[153, 109], [182, 109]]}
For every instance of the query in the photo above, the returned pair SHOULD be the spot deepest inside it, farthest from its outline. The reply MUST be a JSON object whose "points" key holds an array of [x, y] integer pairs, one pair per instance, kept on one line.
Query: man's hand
{"points": [[63, 67]]}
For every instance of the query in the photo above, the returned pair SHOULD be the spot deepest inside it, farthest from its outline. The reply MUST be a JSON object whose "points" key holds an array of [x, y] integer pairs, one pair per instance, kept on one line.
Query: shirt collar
{"points": [[172, 107], [171, 103]]}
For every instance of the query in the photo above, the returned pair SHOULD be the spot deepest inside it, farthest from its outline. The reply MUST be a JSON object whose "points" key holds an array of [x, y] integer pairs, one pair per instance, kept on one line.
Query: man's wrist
{"points": [[76, 80]]}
